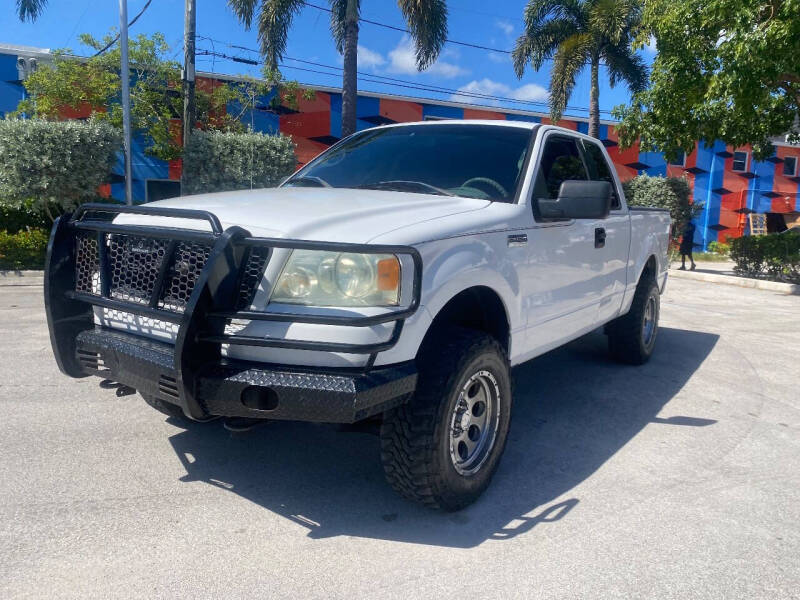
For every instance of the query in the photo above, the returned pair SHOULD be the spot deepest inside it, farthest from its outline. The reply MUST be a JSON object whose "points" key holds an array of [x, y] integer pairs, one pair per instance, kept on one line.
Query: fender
{"points": [[457, 264]]}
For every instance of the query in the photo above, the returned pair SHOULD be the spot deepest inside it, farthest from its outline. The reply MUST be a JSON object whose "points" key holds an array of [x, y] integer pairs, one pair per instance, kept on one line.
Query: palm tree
{"points": [[30, 9], [426, 20], [575, 33]]}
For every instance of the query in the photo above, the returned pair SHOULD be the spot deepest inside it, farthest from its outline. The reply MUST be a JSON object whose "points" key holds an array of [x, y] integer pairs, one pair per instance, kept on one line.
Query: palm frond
{"points": [[537, 12], [624, 65], [338, 20], [274, 22], [573, 53], [612, 19], [243, 9], [29, 10], [539, 44], [427, 22]]}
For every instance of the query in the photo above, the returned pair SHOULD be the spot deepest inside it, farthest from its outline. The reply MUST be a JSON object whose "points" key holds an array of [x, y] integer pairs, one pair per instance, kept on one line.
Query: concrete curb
{"points": [[8, 278], [758, 284]]}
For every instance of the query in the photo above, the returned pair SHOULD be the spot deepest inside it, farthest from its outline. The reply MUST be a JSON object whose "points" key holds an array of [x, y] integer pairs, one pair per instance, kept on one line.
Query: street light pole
{"points": [[125, 74]]}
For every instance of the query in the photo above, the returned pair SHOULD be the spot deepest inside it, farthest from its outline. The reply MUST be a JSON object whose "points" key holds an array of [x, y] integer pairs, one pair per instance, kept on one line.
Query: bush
{"points": [[719, 248], [672, 193], [56, 164], [21, 216], [216, 162], [775, 256], [23, 250]]}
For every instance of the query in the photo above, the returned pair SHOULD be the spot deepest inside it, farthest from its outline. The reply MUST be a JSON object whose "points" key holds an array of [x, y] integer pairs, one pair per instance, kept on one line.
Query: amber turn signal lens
{"points": [[388, 274]]}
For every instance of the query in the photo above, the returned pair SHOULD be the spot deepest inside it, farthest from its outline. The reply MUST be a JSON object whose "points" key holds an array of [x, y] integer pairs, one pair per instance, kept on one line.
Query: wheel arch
{"points": [[476, 307]]}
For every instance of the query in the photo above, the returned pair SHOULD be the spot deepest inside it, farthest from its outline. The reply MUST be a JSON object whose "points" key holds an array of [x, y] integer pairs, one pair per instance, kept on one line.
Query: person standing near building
{"points": [[687, 243]]}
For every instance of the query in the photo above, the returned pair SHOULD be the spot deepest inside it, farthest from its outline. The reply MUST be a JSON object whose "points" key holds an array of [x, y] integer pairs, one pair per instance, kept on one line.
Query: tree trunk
{"points": [[349, 76], [594, 99]]}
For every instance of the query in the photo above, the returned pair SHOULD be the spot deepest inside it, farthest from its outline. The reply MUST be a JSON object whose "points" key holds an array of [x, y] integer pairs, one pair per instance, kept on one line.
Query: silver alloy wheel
{"points": [[649, 323], [474, 424]]}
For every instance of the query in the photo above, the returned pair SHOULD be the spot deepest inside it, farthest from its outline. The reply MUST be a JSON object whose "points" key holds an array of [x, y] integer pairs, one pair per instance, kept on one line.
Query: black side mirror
{"points": [[578, 199]]}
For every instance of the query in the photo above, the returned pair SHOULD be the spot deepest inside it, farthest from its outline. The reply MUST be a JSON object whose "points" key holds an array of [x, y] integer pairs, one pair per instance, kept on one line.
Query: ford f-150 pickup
{"points": [[395, 278]]}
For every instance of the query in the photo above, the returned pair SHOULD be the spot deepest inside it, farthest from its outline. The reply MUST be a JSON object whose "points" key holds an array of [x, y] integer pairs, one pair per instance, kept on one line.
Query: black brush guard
{"points": [[192, 373]]}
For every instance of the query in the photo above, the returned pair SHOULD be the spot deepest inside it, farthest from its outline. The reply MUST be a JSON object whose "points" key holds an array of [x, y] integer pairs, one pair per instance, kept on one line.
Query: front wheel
{"points": [[443, 447], [632, 337]]}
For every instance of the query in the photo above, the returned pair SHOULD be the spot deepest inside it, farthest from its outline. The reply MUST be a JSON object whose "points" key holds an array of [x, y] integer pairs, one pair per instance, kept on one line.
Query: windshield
{"points": [[474, 161]]}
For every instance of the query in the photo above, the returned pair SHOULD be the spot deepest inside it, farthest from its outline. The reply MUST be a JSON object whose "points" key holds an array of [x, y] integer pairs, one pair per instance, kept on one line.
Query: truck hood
{"points": [[322, 214]]}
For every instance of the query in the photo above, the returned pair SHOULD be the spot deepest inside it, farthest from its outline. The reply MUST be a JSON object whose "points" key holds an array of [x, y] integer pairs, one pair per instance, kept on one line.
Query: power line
{"points": [[116, 38], [403, 30], [383, 80]]}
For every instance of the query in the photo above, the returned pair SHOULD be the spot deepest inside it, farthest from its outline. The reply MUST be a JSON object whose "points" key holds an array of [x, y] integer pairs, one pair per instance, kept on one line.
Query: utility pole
{"points": [[125, 74], [189, 26]]}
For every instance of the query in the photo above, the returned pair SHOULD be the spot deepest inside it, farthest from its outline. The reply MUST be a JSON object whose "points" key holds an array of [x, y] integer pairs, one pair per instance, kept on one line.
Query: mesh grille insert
{"points": [[134, 264]]}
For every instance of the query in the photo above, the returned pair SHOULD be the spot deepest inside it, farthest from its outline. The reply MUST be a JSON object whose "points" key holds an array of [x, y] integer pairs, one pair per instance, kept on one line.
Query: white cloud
{"points": [[528, 92], [651, 45], [498, 58], [505, 26], [369, 59], [403, 59]]}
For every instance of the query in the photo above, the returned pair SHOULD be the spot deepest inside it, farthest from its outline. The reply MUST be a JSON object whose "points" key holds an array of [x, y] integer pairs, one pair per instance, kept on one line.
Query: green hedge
{"points": [[775, 256], [57, 164], [672, 193], [23, 250], [21, 216], [216, 162]]}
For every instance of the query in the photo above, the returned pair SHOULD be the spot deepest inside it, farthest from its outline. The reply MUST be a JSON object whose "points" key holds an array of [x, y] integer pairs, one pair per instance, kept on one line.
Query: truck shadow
{"points": [[574, 409]]}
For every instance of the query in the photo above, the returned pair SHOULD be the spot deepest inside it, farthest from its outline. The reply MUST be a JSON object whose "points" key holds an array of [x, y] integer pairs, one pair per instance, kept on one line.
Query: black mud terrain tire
{"points": [[428, 450], [632, 337]]}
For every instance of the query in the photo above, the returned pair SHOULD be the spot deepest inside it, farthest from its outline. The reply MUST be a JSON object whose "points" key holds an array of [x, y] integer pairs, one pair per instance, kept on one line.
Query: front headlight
{"points": [[320, 278]]}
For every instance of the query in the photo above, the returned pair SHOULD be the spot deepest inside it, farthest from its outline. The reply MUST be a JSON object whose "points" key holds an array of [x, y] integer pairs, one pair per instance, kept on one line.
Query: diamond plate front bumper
{"points": [[240, 389]]}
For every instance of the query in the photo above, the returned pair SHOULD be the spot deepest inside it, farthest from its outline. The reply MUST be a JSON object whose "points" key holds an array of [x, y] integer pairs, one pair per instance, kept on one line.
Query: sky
{"points": [[382, 52]]}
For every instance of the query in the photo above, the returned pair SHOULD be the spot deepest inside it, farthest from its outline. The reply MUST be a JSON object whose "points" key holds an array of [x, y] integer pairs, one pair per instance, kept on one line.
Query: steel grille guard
{"points": [[213, 300]]}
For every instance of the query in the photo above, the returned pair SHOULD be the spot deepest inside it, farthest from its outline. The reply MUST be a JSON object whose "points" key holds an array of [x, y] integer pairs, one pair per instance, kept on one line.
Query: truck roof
{"points": [[493, 122]]}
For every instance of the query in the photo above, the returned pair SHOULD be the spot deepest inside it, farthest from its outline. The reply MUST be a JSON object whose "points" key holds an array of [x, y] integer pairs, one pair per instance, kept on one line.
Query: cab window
{"points": [[599, 170], [561, 161]]}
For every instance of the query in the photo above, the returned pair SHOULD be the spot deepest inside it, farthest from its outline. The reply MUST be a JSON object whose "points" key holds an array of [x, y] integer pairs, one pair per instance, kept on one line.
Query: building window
{"points": [[740, 161], [790, 166], [679, 160]]}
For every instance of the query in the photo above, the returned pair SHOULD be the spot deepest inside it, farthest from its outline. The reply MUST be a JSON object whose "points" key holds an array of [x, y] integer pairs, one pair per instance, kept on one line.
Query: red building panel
{"points": [[474, 113], [400, 111], [622, 157]]}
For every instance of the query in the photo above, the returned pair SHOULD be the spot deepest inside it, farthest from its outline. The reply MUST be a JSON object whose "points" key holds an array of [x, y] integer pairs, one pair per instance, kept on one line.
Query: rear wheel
{"points": [[443, 447], [632, 337]]}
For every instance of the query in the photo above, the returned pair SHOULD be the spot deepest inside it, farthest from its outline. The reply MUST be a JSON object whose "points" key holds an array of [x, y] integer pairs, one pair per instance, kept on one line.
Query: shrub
{"points": [[672, 193], [775, 256], [21, 216], [56, 164], [216, 162], [23, 250], [719, 248]]}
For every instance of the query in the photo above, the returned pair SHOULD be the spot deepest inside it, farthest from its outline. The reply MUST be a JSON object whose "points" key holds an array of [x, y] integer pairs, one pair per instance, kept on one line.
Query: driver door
{"points": [[563, 287]]}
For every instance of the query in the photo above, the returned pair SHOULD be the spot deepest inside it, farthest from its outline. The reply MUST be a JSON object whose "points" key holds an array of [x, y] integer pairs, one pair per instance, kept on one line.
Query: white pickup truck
{"points": [[396, 278]]}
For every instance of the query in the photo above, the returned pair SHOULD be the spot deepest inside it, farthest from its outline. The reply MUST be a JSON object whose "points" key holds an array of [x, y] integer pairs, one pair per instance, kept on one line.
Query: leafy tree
{"points": [[575, 33], [426, 19], [156, 93], [725, 69]]}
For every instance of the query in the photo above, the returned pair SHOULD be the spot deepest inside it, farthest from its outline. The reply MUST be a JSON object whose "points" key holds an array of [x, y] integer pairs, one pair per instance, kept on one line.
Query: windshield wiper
{"points": [[403, 186], [318, 181]]}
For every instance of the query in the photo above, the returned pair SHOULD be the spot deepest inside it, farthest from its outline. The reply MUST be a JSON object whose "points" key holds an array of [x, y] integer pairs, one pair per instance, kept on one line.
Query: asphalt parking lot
{"points": [[679, 479]]}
